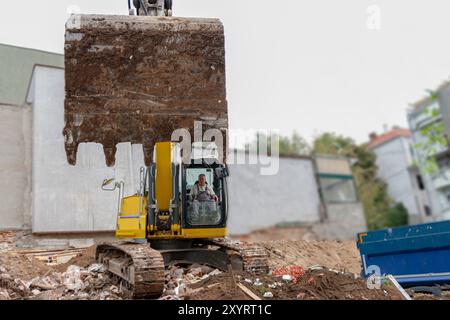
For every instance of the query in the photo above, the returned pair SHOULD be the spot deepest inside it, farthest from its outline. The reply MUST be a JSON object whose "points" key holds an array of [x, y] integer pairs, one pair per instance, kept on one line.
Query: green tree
{"points": [[331, 143], [294, 145], [435, 139]]}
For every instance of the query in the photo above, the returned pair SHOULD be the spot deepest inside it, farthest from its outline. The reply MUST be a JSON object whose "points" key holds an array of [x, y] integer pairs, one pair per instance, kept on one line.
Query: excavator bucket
{"points": [[137, 79]]}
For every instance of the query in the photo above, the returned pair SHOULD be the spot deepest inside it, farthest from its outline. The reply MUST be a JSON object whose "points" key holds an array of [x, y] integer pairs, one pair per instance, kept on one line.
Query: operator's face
{"points": [[201, 181]]}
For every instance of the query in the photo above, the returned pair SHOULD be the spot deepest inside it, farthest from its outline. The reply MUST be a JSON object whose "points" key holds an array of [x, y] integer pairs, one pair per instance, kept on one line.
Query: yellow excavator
{"points": [[165, 225], [137, 79]]}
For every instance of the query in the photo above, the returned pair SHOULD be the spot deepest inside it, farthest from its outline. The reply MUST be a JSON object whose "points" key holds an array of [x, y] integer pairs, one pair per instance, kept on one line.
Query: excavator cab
{"points": [[212, 211], [163, 208]]}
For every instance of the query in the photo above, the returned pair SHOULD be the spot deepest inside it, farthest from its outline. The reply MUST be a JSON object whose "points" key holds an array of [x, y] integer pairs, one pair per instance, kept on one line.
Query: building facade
{"points": [[395, 162], [423, 115], [16, 69]]}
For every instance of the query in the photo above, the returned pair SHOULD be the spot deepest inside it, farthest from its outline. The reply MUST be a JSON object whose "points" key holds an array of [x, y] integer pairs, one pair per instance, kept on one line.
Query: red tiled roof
{"points": [[385, 137]]}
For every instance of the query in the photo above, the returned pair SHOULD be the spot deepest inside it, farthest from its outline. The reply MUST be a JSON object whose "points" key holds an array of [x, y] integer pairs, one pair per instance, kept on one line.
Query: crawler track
{"points": [[254, 257], [139, 268]]}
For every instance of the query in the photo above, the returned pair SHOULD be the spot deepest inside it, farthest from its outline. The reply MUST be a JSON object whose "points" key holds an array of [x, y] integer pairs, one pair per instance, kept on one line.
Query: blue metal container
{"points": [[414, 255]]}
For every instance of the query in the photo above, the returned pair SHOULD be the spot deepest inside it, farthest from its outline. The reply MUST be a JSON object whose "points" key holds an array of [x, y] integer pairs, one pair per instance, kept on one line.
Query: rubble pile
{"points": [[74, 284], [6, 241]]}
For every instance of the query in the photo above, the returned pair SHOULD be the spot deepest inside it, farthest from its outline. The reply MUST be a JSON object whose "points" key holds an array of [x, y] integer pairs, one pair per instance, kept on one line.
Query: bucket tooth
{"points": [[71, 152], [110, 155], [137, 79]]}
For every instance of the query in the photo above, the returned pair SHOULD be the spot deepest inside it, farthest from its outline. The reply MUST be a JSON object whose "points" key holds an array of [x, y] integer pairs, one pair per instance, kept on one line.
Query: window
{"points": [[337, 189], [193, 173], [420, 182], [206, 212], [427, 210], [335, 179]]}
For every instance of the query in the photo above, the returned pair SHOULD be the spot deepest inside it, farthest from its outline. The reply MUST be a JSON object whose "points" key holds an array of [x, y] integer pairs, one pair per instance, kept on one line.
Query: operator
{"points": [[202, 192], [202, 198]]}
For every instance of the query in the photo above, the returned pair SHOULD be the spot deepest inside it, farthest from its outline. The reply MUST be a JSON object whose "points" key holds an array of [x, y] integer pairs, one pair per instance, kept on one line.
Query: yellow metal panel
{"points": [[131, 205], [163, 184], [129, 228], [131, 225]]}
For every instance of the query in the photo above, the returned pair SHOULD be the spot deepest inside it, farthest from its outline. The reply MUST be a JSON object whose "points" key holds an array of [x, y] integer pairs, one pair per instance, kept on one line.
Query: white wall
{"points": [[344, 221], [69, 198], [258, 201], [15, 170]]}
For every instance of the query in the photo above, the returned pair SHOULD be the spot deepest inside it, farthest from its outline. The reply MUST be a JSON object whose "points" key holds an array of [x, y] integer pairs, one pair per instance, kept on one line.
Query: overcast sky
{"points": [[311, 66]]}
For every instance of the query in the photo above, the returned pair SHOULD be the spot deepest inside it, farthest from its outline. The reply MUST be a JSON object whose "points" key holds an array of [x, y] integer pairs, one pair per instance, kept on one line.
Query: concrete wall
{"points": [[68, 198], [344, 221], [15, 166], [258, 201]]}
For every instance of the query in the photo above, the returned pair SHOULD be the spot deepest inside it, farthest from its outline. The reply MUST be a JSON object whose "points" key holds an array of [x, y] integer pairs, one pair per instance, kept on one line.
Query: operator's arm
{"points": [[213, 194], [211, 191]]}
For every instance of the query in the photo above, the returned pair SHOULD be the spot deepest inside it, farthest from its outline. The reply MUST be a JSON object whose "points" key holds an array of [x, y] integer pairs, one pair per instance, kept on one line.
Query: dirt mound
{"points": [[342, 256]]}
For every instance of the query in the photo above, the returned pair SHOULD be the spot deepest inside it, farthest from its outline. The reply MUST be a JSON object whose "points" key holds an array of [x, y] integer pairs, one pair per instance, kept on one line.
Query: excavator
{"points": [[137, 79]]}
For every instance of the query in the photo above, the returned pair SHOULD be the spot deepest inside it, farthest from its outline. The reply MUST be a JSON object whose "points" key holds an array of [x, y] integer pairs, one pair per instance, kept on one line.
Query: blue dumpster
{"points": [[415, 255]]}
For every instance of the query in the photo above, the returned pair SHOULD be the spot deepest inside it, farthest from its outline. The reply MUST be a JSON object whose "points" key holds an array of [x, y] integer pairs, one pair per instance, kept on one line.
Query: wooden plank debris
{"points": [[248, 292]]}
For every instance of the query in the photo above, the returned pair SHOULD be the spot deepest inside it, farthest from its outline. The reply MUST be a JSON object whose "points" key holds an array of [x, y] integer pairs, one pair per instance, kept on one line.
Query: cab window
{"points": [[206, 212]]}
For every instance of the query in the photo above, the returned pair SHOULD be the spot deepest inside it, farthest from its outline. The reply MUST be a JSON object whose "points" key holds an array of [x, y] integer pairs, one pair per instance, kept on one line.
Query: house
{"points": [[433, 111], [395, 162]]}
